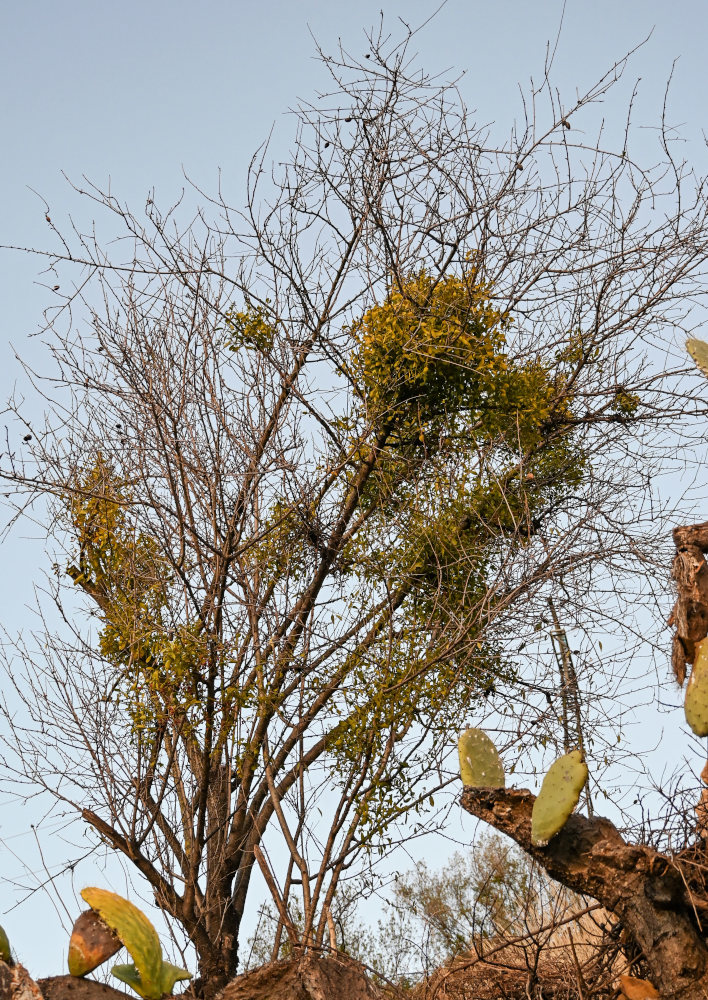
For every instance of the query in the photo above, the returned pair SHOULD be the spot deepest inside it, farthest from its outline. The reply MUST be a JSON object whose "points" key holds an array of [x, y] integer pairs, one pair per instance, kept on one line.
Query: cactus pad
{"points": [[92, 942], [151, 977], [136, 933], [169, 975], [698, 349], [558, 797], [129, 975], [696, 700], [480, 766], [5, 953]]}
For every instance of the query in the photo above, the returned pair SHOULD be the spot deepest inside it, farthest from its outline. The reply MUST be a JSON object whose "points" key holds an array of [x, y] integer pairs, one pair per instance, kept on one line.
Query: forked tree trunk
{"points": [[639, 885]]}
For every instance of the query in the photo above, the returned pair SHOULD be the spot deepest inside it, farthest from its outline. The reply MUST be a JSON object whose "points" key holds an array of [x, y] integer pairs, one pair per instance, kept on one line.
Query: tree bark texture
{"points": [[690, 612], [16, 983], [636, 883], [79, 988], [329, 977]]}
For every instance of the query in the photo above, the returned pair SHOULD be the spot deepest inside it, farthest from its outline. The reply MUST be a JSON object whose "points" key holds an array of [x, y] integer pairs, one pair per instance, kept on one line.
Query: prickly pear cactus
{"points": [[558, 797], [134, 930], [169, 975], [92, 942], [151, 977], [480, 766], [5, 953], [696, 702], [698, 349]]}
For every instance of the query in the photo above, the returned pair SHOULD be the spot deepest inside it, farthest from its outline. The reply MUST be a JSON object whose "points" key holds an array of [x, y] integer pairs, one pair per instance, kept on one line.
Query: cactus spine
{"points": [[558, 797], [480, 765]]}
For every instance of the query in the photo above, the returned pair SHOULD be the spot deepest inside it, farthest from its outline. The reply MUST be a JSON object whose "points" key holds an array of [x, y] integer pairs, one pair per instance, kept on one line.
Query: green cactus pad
{"points": [[480, 766], [129, 975], [137, 934], [5, 953], [558, 797], [696, 702], [698, 349], [170, 974]]}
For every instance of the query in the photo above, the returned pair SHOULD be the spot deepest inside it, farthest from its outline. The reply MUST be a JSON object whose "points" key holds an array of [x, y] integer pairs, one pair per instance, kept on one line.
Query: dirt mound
{"points": [[331, 977]]}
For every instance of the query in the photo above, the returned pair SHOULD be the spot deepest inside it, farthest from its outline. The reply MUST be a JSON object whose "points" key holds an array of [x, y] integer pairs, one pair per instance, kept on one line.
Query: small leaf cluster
{"points": [[250, 328]]}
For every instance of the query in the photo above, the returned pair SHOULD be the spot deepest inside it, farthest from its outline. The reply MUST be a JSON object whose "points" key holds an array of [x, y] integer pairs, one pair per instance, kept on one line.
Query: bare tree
{"points": [[315, 462]]}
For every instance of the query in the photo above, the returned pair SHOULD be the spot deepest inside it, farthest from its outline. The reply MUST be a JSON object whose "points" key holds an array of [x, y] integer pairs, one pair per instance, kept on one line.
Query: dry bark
{"points": [[690, 612], [636, 883], [16, 983], [76, 988], [306, 978]]}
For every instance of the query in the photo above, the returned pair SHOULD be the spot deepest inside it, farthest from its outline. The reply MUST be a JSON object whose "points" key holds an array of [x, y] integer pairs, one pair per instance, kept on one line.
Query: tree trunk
{"points": [[690, 612], [306, 977], [639, 885], [75, 988]]}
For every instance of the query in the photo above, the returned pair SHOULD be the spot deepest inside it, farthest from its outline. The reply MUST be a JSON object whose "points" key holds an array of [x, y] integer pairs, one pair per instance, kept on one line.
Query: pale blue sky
{"points": [[143, 91]]}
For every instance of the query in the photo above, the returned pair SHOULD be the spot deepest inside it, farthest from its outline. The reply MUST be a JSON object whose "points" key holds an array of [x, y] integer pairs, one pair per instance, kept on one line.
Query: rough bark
{"points": [[637, 884], [16, 983], [690, 612], [75, 988], [306, 978]]}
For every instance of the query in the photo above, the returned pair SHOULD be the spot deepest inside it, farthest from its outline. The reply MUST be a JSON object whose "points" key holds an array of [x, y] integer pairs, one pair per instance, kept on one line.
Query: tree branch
{"points": [[635, 882]]}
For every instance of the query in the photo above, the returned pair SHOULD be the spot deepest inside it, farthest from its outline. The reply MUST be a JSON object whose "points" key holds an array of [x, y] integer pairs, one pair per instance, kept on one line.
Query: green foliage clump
{"points": [[431, 362], [159, 663], [250, 328], [428, 351], [450, 406]]}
